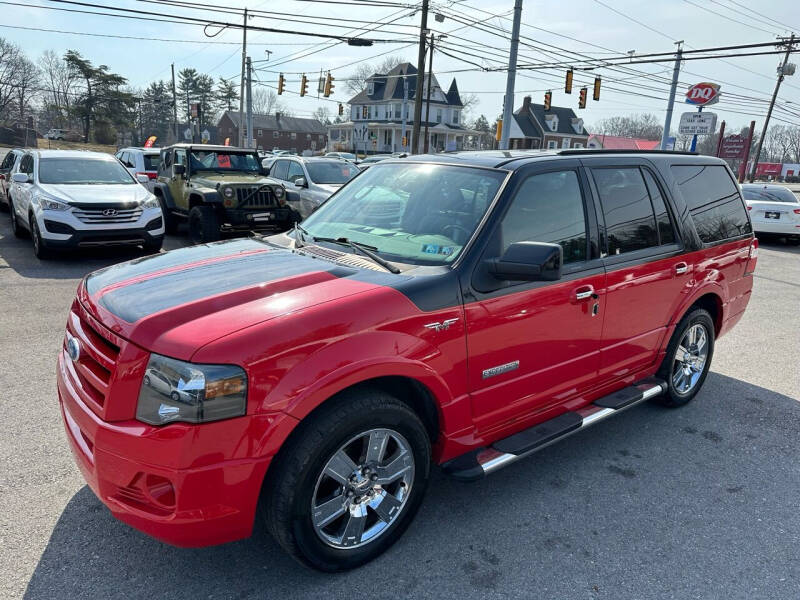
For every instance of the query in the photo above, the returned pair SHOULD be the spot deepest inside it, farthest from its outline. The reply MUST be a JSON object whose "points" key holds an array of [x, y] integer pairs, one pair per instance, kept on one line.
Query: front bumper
{"points": [[62, 229], [173, 483], [273, 219]]}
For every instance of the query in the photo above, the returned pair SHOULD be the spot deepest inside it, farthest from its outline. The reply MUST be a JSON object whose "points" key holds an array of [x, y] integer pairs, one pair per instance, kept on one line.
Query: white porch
{"points": [[381, 138]]}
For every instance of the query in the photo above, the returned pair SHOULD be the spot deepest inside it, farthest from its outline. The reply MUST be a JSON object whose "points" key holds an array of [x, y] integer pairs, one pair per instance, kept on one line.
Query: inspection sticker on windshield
{"points": [[436, 249]]}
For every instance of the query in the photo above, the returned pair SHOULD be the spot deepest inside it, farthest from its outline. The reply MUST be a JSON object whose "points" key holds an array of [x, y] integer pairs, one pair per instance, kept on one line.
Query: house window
{"points": [[565, 143], [369, 111], [294, 135], [308, 136], [370, 88], [455, 116], [387, 137], [397, 109], [552, 145], [276, 134], [321, 137], [578, 145], [260, 132], [438, 115]]}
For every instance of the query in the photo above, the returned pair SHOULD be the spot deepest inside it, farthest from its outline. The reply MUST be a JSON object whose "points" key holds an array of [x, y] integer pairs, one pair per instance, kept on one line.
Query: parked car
{"points": [[176, 391], [345, 155], [219, 189], [463, 309], [63, 134], [314, 178], [774, 210], [374, 159], [69, 198], [10, 161], [141, 161]]}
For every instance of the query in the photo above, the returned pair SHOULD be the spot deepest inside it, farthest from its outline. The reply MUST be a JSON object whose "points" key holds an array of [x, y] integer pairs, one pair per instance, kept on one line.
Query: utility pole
{"points": [[428, 98], [404, 108], [423, 32], [720, 138], [508, 104], [250, 137], [781, 75], [241, 84], [672, 89], [174, 105]]}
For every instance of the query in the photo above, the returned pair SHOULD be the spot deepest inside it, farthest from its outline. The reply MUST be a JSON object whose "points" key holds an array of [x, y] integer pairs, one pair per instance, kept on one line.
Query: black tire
{"points": [[153, 246], [16, 226], [289, 488], [170, 220], [4, 206], [40, 248], [673, 396], [175, 397], [203, 224]]}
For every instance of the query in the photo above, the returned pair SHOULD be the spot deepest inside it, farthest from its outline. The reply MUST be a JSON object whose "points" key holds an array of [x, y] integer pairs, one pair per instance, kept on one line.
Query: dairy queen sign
{"points": [[703, 94]]}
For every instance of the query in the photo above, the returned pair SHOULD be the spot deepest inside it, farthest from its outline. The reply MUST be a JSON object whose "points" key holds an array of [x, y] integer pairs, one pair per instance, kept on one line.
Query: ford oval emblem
{"points": [[73, 348]]}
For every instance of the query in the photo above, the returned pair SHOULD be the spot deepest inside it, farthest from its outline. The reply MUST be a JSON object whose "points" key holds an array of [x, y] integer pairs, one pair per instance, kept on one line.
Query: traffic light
{"points": [[328, 85], [281, 82], [303, 85], [364, 112], [499, 133], [568, 82], [582, 98], [341, 109], [548, 99], [596, 94], [405, 141]]}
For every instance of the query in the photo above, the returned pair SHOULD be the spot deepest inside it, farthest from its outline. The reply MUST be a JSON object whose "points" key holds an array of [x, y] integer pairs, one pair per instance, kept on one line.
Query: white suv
{"points": [[70, 198], [141, 161]]}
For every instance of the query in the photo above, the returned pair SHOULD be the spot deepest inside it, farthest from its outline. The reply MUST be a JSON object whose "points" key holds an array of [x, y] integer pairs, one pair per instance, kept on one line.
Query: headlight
{"points": [[52, 204], [174, 390], [279, 192], [151, 202], [228, 192]]}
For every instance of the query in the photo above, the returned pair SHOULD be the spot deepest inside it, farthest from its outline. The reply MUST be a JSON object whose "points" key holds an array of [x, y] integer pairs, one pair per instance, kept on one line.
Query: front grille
{"points": [[103, 216], [91, 373], [263, 198]]}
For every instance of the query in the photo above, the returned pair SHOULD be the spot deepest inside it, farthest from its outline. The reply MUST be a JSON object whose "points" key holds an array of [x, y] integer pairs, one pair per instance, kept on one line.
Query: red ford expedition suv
{"points": [[465, 309]]}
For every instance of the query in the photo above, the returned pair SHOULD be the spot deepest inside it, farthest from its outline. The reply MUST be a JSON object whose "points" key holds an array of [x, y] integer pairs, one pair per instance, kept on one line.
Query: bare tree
{"points": [[644, 126], [60, 84], [27, 82], [322, 114], [10, 55], [357, 80], [265, 102]]}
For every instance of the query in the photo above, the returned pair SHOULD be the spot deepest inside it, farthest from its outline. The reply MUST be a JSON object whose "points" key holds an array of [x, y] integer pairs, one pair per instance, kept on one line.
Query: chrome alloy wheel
{"points": [[363, 488], [690, 359]]}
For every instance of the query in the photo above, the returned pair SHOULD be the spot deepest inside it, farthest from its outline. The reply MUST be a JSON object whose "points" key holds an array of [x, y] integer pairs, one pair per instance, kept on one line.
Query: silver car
{"points": [[313, 179], [69, 198]]}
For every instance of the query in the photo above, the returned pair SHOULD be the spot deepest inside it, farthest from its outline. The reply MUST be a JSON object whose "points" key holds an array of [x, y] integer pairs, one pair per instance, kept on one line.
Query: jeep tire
{"points": [[170, 220], [688, 358], [348, 482], [203, 224]]}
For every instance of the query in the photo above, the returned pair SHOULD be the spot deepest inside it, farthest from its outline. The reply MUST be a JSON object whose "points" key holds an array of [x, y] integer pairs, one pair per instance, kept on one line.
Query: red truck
{"points": [[464, 310]]}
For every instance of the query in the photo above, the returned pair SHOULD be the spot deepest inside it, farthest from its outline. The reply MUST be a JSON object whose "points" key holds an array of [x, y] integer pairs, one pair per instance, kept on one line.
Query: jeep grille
{"points": [[261, 199]]}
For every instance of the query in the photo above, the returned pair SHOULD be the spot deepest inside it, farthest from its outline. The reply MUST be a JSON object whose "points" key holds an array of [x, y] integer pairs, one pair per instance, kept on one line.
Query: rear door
{"points": [[647, 273], [22, 191], [5, 173], [534, 345]]}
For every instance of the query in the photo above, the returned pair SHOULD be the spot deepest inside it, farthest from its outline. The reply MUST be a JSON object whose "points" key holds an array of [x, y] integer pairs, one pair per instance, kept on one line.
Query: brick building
{"points": [[276, 132]]}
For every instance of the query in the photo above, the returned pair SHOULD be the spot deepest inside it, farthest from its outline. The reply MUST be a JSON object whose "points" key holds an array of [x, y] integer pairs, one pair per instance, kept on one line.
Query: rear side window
{"points": [[666, 233], [150, 162], [630, 222], [714, 202], [280, 169], [8, 162]]}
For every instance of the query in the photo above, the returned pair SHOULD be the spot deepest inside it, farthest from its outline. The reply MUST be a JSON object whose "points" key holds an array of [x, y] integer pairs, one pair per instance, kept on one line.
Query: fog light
{"points": [[160, 490]]}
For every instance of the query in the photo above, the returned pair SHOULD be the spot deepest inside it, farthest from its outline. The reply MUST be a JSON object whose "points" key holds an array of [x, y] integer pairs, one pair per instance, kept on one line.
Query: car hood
{"points": [[212, 179], [176, 302], [328, 188], [97, 193]]}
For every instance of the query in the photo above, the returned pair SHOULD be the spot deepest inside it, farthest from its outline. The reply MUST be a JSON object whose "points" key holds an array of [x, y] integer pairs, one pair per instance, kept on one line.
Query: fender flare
{"points": [[164, 192], [707, 287], [207, 197]]}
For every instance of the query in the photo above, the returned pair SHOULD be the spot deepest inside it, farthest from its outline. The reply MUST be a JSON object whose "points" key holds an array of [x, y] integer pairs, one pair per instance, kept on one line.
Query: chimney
{"points": [[526, 104]]}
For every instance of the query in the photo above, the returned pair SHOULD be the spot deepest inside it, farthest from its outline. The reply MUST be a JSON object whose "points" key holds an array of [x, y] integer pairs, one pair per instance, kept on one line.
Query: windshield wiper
{"points": [[366, 250], [300, 236]]}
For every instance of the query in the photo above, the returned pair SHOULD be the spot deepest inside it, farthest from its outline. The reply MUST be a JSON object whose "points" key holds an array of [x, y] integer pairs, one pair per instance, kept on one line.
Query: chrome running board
{"points": [[476, 464]]}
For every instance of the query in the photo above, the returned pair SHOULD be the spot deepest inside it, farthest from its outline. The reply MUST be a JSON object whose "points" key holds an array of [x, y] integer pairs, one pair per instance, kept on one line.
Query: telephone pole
{"points": [[428, 98], [672, 89], [241, 84], [250, 137], [174, 105], [423, 32], [782, 72], [508, 104]]}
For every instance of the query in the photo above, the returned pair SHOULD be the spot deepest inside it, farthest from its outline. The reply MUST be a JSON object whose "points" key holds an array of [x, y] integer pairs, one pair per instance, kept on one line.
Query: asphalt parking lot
{"points": [[699, 502]]}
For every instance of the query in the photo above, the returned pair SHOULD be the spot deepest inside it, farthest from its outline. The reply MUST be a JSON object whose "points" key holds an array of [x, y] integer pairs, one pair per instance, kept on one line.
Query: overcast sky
{"points": [[661, 22]]}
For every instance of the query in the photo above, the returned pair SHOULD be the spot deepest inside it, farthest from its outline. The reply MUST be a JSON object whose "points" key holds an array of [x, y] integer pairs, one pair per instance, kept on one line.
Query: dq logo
{"points": [[704, 93]]}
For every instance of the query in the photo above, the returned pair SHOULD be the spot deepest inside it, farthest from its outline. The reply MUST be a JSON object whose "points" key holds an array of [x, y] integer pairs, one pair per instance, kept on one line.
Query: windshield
{"points": [[83, 171], [331, 171], [769, 195], [414, 213], [202, 160]]}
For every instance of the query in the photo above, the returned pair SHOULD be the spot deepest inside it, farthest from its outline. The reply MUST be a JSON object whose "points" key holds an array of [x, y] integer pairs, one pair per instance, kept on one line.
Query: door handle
{"points": [[585, 292], [681, 268]]}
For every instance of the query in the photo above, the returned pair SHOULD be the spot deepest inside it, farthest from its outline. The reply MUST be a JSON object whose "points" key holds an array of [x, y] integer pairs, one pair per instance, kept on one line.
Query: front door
{"points": [[177, 183], [534, 345]]}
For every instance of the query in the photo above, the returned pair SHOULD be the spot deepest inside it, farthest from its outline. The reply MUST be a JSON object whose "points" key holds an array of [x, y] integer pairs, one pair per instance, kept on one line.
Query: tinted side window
{"points": [[8, 161], [280, 169], [666, 232], [548, 208], [26, 166], [295, 171], [630, 223], [714, 202]]}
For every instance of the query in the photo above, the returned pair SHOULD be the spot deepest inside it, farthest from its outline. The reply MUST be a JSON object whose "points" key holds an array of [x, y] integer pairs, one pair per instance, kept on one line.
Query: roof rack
{"points": [[614, 151]]}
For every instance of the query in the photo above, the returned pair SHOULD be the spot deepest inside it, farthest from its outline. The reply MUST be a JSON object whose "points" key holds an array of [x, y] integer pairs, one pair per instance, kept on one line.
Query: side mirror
{"points": [[300, 182], [20, 178], [528, 261], [179, 170], [143, 179]]}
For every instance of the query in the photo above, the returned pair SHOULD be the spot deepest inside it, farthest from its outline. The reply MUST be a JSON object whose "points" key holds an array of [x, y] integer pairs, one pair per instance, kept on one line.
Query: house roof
{"points": [[532, 120], [453, 97], [389, 86], [280, 122], [614, 142]]}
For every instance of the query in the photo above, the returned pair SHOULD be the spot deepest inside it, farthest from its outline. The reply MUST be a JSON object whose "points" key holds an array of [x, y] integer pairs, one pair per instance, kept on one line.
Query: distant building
{"points": [[613, 142], [376, 116], [276, 132], [535, 127]]}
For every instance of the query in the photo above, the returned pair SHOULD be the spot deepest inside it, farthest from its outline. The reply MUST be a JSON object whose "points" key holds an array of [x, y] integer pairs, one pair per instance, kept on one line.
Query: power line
{"points": [[731, 19]]}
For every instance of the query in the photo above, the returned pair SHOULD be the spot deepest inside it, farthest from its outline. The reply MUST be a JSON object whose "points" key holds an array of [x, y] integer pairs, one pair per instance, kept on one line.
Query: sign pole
{"points": [[721, 136], [746, 152], [693, 147]]}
